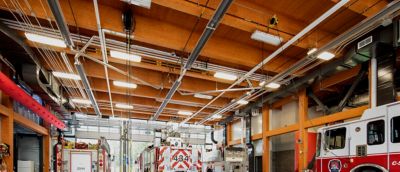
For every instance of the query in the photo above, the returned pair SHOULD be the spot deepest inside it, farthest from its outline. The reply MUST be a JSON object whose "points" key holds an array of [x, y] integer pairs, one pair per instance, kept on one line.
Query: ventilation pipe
{"points": [[60, 20], [209, 30], [213, 136], [35, 76]]}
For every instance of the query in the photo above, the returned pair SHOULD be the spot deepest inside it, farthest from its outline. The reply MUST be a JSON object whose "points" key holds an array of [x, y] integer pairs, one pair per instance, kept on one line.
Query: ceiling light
{"points": [[182, 112], [203, 96], [325, 55], [242, 102], [266, 38], [124, 84], [119, 118], [311, 51], [225, 76], [216, 116], [45, 40], [123, 106], [66, 75], [273, 85], [81, 101], [125, 56], [140, 3]]}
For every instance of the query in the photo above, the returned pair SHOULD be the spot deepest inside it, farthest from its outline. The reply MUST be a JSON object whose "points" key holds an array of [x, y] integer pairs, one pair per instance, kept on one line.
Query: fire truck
{"points": [[175, 157], [370, 144], [85, 159]]}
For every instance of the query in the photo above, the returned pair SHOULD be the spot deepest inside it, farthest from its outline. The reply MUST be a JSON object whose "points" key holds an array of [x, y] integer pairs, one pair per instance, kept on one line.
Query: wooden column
{"points": [[265, 129], [7, 130], [303, 134], [229, 133], [46, 153]]}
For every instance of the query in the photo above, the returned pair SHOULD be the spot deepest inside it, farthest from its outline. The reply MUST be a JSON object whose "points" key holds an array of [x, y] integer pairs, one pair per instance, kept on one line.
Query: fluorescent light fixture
{"points": [[311, 51], [123, 106], [119, 118], [124, 84], [273, 85], [66, 75], [125, 56], [226, 76], [203, 96], [242, 102], [81, 101], [182, 112], [45, 40], [266, 38], [140, 3], [325, 55], [216, 116]]}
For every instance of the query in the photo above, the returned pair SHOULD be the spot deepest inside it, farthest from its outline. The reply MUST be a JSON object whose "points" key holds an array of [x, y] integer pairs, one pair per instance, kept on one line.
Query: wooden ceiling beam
{"points": [[241, 15], [165, 34], [366, 8], [135, 115], [102, 97], [100, 85], [155, 78], [156, 67], [335, 79]]}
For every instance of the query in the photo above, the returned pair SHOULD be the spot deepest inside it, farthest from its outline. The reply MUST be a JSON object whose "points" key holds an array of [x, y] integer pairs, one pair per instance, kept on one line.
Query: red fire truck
{"points": [[169, 159], [371, 144]]}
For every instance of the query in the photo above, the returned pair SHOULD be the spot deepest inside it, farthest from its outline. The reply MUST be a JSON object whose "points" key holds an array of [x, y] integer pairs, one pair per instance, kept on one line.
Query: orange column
{"points": [[265, 129], [46, 153], [7, 131], [46, 141], [229, 133], [303, 142]]}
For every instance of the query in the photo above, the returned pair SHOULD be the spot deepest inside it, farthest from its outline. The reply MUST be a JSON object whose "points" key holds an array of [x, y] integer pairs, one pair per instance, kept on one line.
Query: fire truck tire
{"points": [[368, 169]]}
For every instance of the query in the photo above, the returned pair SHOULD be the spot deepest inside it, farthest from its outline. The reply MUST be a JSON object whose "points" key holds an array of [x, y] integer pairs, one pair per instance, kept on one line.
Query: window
{"points": [[335, 139], [376, 132], [318, 144], [396, 129]]}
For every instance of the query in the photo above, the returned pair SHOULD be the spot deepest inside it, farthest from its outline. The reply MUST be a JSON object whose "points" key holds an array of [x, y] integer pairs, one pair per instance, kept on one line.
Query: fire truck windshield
{"points": [[335, 138], [396, 129]]}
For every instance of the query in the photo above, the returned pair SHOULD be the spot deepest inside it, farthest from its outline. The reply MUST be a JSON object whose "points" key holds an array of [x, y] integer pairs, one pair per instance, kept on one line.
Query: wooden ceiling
{"points": [[176, 25]]}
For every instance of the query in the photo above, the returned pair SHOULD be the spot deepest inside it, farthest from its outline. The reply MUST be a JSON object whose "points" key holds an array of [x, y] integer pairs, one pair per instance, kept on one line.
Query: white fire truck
{"points": [[371, 144], [83, 160], [170, 158]]}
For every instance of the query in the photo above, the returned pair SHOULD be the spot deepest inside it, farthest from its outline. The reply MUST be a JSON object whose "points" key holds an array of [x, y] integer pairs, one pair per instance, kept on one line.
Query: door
{"points": [[258, 163], [394, 137]]}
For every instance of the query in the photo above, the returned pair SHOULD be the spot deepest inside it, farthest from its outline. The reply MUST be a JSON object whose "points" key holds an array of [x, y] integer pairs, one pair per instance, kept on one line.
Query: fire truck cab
{"points": [[370, 144]]}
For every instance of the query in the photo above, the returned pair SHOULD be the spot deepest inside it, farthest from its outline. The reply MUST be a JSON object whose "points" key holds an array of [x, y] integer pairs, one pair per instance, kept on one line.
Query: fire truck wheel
{"points": [[368, 169]]}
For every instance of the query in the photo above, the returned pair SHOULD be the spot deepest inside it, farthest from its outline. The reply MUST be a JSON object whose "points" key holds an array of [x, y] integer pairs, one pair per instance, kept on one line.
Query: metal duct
{"points": [[35, 76], [45, 85], [19, 95], [208, 31], [386, 61], [89, 91], [213, 137], [20, 41], [62, 25]]}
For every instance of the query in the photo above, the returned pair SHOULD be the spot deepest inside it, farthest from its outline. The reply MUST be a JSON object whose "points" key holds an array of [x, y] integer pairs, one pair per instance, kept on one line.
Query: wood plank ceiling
{"points": [[170, 25]]}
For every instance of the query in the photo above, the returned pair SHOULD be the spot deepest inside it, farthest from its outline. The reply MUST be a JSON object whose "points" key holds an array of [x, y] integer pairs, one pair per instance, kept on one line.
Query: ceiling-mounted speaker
{"points": [[128, 20]]}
